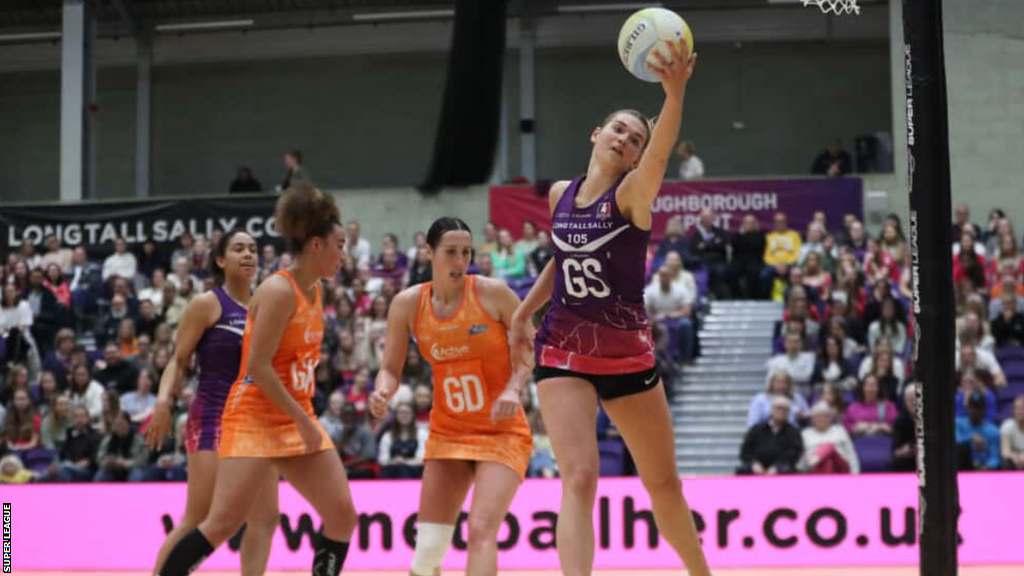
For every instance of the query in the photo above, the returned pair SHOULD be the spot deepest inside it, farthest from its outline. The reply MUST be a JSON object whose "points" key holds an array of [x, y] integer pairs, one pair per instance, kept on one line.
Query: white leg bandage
{"points": [[432, 542]]}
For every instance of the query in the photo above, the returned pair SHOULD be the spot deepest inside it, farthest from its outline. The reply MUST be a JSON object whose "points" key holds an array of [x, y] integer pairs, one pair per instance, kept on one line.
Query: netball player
{"points": [[211, 327], [268, 419], [478, 431], [595, 340]]}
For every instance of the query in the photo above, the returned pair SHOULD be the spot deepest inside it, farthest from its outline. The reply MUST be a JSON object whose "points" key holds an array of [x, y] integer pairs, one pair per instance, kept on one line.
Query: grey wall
{"points": [[792, 97], [369, 121]]}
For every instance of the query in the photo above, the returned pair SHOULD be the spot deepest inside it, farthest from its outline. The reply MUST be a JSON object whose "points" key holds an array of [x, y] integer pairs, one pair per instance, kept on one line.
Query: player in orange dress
{"points": [[478, 431], [268, 418]]}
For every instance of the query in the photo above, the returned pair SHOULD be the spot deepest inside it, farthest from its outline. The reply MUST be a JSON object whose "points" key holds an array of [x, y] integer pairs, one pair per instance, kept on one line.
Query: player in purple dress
{"points": [[212, 328], [595, 340]]}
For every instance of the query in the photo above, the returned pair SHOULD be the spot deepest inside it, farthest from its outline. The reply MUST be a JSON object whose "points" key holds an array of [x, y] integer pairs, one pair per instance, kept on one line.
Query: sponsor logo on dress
{"points": [[604, 210], [311, 336], [477, 329], [442, 353]]}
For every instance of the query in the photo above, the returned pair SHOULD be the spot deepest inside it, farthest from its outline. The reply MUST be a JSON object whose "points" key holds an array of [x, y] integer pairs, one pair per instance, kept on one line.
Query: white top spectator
{"points": [[690, 167], [15, 317], [357, 247], [121, 263], [796, 362], [665, 297]]}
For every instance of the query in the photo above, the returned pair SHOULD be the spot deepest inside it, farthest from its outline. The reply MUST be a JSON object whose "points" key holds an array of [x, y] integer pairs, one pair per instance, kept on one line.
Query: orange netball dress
{"points": [[252, 425], [469, 356]]}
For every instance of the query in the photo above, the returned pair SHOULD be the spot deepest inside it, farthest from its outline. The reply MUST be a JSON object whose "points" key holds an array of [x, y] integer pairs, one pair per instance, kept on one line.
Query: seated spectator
{"points": [[422, 401], [186, 244], [970, 327], [858, 241], [893, 242], [22, 423], [904, 437], [672, 241], [878, 265], [111, 410], [12, 471], [670, 304], [86, 392], [782, 250], [541, 255], [982, 363], [148, 320], [358, 448], [55, 426], [390, 267], [117, 373], [244, 182], [485, 266], [55, 282], [112, 323], [835, 396], [774, 446], [1009, 286], [832, 365], [883, 364], [780, 384], [681, 275], [182, 272], [509, 263], [168, 463], [122, 454], [798, 308], [527, 243], [817, 277], [814, 242], [150, 260], [968, 386], [126, 339], [330, 419], [977, 439], [828, 449], [888, 325], [797, 363], [420, 271], [1012, 437], [16, 327], [401, 449], [489, 245], [359, 392], [77, 458], [748, 248], [121, 263], [155, 291], [17, 379], [139, 404], [871, 413], [709, 246], [968, 264], [46, 392], [419, 240], [56, 255], [833, 162], [58, 360], [1008, 326]]}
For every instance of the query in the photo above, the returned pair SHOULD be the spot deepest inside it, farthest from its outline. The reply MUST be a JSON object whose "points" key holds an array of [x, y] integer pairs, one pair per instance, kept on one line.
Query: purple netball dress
{"points": [[597, 323], [218, 354]]}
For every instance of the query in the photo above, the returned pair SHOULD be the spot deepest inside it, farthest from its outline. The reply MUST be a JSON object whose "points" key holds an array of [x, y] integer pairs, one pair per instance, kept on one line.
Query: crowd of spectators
{"points": [[840, 390], [84, 339]]}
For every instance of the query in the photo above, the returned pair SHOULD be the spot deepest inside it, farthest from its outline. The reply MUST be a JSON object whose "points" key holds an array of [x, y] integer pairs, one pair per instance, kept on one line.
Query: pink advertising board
{"points": [[744, 522]]}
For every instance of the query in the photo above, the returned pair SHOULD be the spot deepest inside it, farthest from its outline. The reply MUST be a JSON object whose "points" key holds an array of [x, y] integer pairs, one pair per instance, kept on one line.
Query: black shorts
{"points": [[608, 386]]}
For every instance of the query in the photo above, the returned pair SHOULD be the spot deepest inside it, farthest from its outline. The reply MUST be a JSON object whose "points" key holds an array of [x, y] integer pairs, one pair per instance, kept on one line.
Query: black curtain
{"points": [[467, 135]]}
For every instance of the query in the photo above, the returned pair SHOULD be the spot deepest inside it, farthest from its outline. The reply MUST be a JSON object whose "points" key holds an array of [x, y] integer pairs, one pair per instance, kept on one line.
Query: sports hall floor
{"points": [[860, 571]]}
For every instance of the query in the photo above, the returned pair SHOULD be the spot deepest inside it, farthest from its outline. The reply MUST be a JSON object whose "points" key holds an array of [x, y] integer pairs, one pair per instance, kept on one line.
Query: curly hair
{"points": [[305, 212]]}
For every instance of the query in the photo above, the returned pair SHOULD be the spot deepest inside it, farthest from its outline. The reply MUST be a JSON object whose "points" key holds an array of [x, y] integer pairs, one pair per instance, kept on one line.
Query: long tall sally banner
{"points": [[730, 200], [814, 521]]}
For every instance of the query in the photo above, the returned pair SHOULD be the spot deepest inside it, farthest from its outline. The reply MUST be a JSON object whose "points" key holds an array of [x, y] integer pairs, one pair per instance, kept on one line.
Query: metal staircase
{"points": [[711, 400]]}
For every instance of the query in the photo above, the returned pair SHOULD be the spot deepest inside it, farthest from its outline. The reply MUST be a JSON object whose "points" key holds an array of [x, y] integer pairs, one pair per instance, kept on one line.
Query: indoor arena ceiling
{"points": [[123, 17]]}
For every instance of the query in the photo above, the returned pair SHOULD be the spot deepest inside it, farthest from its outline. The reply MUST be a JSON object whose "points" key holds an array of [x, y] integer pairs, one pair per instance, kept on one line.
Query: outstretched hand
{"points": [[674, 73]]}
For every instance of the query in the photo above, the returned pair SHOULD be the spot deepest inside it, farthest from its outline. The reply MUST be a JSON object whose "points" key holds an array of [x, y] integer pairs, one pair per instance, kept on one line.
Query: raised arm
{"points": [[641, 186]]}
